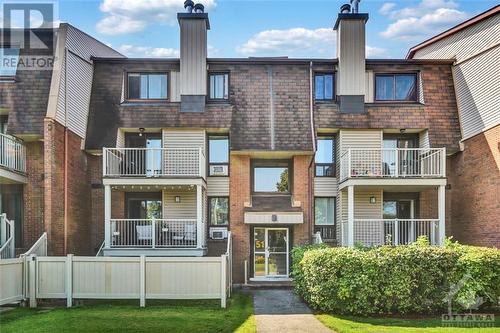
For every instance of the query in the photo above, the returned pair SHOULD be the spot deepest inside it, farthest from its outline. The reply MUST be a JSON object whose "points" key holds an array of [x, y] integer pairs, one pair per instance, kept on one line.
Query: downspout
{"points": [[313, 137], [65, 151]]}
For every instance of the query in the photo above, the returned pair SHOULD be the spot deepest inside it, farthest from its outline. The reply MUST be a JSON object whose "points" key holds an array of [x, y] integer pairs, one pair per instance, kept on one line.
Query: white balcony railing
{"points": [[12, 153], [7, 238], [152, 233], [393, 163], [153, 162], [373, 232]]}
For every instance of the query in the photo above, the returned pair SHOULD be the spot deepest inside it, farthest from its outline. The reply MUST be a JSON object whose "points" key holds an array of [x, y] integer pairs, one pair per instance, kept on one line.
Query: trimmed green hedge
{"points": [[405, 279]]}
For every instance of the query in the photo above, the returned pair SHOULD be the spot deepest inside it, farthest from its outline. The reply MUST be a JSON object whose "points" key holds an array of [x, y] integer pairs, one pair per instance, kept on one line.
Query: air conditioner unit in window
{"points": [[218, 170], [218, 233]]}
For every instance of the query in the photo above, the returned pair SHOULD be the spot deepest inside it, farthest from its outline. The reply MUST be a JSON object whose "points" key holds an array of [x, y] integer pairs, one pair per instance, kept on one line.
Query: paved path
{"points": [[280, 310]]}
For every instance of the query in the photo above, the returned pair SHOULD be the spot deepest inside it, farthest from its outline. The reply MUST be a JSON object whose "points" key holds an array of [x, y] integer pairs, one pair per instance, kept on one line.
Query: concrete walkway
{"points": [[280, 310]]}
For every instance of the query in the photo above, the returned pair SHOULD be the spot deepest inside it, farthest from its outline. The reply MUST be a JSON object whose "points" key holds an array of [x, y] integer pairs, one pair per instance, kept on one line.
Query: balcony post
{"points": [[104, 157], [441, 214], [350, 216], [396, 167], [199, 216], [349, 174], [443, 162], [153, 233], [107, 216], [201, 165]]}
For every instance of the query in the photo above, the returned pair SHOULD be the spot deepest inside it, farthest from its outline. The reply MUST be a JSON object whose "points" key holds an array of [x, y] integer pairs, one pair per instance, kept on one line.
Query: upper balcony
{"points": [[154, 163], [12, 159], [393, 163]]}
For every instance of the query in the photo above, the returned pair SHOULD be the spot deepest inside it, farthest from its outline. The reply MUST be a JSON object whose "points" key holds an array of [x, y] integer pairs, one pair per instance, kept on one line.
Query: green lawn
{"points": [[171, 316], [346, 324]]}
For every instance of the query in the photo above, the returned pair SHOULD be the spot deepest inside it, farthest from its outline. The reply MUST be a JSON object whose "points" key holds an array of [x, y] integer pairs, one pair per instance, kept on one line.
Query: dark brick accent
{"points": [[475, 190]]}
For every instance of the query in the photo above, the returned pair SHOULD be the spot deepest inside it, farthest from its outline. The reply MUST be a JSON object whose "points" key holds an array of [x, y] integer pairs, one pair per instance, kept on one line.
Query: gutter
{"points": [[313, 137]]}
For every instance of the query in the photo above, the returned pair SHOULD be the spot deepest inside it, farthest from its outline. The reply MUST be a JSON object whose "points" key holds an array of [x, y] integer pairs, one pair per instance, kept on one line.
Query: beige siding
{"points": [[351, 55], [423, 139], [325, 186], [175, 87], [218, 186], [184, 139], [185, 209], [476, 72], [193, 57], [477, 85], [363, 209], [369, 87], [120, 139], [360, 139], [72, 80]]}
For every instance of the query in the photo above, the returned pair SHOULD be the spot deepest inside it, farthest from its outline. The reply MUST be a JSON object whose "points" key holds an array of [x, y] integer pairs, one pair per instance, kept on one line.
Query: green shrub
{"points": [[405, 279]]}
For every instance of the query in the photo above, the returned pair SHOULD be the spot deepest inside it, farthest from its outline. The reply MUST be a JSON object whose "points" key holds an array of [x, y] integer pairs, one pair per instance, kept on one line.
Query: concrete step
{"points": [[267, 285]]}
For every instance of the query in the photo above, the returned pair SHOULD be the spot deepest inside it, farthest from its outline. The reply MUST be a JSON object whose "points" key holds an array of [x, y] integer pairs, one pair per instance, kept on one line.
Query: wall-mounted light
{"points": [[373, 200], [141, 131], [402, 131], [177, 199]]}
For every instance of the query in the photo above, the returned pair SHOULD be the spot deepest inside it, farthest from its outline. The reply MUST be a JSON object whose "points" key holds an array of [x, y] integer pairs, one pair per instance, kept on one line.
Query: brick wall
{"points": [[301, 182], [33, 194], [239, 189], [78, 215], [475, 190]]}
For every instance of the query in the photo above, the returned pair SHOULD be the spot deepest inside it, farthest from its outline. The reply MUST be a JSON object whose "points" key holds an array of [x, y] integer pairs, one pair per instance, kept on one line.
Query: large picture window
{"points": [[396, 87], [219, 211], [325, 157], [147, 86], [324, 211], [271, 177], [218, 155]]}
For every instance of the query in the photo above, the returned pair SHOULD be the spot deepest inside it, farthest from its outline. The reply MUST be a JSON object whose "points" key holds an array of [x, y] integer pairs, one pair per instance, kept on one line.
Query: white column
{"points": [[441, 213], [199, 216], [107, 216], [350, 216]]}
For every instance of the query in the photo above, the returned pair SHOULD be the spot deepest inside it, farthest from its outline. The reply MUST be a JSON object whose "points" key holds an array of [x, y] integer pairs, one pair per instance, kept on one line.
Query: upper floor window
{"points": [[147, 86], [396, 87], [271, 177], [219, 211], [323, 87], [9, 58], [218, 85], [325, 156], [218, 155], [324, 211]]}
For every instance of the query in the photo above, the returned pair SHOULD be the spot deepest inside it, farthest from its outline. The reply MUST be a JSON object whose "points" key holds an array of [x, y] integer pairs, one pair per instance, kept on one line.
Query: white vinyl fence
{"points": [[142, 278]]}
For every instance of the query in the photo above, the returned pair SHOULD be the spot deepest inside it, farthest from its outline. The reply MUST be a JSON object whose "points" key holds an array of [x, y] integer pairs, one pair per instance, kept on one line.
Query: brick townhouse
{"points": [[129, 156]]}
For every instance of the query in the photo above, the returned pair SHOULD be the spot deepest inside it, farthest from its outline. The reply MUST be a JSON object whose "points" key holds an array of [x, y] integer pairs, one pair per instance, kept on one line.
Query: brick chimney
{"points": [[193, 24], [350, 27]]}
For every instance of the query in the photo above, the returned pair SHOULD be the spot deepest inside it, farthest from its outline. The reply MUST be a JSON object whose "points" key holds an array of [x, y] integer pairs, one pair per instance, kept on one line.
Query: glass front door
{"points": [[270, 252]]}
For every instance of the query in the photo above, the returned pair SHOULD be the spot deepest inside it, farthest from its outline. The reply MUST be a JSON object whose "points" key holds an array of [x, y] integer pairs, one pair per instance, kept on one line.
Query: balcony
{"points": [[154, 162], [12, 159], [374, 232], [390, 163]]}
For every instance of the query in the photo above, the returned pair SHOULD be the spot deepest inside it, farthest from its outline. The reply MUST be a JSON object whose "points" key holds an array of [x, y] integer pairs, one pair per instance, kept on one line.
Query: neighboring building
{"points": [[43, 121], [176, 152], [474, 46]]}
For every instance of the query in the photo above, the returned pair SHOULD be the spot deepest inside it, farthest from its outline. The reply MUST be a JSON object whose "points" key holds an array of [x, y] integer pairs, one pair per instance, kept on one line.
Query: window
{"points": [[271, 177], [219, 86], [324, 211], [147, 86], [218, 155], [3, 124], [325, 157], [396, 87], [9, 58], [323, 86], [219, 211]]}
